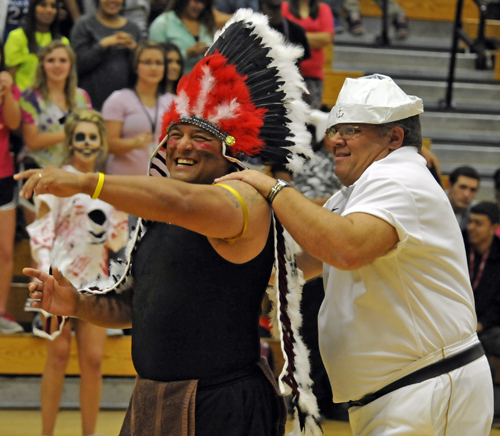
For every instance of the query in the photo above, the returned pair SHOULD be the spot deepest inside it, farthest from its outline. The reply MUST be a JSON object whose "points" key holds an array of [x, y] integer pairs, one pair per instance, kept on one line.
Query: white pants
{"points": [[459, 403]]}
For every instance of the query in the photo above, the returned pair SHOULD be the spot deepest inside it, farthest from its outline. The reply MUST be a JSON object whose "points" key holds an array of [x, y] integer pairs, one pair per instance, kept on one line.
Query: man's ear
{"points": [[396, 138]]}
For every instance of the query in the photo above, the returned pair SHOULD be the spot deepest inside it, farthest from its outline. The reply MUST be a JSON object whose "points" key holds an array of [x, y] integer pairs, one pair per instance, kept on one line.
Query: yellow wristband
{"points": [[98, 188]]}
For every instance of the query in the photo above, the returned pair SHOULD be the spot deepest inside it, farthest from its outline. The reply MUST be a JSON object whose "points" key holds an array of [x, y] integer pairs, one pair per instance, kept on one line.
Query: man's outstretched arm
{"points": [[206, 209]]}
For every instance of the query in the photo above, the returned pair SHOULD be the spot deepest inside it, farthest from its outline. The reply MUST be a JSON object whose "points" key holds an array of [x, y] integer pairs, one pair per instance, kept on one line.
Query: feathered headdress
{"points": [[247, 91]]}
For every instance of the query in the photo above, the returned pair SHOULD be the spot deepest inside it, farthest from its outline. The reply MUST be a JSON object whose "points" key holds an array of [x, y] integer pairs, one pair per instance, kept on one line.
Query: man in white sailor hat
{"points": [[397, 326]]}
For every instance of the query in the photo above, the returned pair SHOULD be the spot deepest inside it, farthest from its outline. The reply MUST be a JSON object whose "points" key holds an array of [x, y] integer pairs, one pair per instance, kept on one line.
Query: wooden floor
{"points": [[28, 423]]}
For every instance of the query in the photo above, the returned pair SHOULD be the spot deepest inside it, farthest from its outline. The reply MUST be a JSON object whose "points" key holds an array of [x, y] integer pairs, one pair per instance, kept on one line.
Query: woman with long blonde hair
{"points": [[46, 105]]}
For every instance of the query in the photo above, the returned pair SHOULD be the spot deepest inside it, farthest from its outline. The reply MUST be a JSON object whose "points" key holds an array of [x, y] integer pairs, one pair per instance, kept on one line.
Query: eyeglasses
{"points": [[82, 137], [346, 132], [149, 63]]}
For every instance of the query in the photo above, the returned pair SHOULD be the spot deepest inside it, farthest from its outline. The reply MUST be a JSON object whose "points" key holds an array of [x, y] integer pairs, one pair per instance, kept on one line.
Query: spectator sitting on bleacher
{"points": [[190, 25], [135, 11], [10, 118], [483, 256], [316, 18], [133, 114], [104, 43], [45, 107], [292, 31], [23, 44], [463, 187]]}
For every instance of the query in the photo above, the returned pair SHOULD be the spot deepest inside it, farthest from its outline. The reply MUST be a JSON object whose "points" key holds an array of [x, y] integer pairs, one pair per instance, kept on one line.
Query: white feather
{"points": [[207, 84], [224, 111], [182, 104]]}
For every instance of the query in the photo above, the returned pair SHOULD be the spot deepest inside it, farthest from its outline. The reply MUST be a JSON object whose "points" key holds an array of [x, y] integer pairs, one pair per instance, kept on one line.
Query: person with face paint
{"points": [[76, 234], [201, 257]]}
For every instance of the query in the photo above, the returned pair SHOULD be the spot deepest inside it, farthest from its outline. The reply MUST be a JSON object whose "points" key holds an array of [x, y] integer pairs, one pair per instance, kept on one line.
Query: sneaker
{"points": [[37, 326], [114, 332], [8, 325], [401, 27], [355, 24]]}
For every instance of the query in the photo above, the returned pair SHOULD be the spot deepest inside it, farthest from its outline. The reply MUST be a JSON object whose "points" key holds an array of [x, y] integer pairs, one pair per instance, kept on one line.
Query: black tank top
{"points": [[195, 315]]}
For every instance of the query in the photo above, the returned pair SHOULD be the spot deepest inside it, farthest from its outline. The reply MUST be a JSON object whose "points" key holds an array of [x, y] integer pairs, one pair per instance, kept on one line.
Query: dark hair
{"points": [[496, 179], [206, 17], [170, 46], [30, 22], [465, 171], [489, 209], [313, 8], [148, 45], [411, 128], [2, 60]]}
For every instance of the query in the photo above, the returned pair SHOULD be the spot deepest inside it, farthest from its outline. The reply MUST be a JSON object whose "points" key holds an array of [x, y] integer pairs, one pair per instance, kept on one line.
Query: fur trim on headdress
{"points": [[286, 321]]}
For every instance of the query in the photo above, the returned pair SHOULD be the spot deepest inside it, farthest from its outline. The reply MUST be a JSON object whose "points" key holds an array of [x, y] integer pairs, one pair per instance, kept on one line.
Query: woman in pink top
{"points": [[133, 115], [316, 18], [10, 118]]}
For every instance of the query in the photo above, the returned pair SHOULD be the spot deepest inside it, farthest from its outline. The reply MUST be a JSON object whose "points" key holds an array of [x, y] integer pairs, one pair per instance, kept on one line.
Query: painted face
{"points": [[86, 143], [194, 9], [45, 12], [462, 192], [174, 66], [151, 66], [110, 7], [57, 65], [194, 155], [355, 153], [480, 229]]}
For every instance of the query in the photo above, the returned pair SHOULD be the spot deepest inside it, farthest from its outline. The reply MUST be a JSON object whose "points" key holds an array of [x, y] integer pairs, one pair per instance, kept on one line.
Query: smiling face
{"points": [[151, 66], [194, 155], [355, 154], [57, 65], [194, 9], [480, 230], [45, 13], [110, 8], [85, 145]]}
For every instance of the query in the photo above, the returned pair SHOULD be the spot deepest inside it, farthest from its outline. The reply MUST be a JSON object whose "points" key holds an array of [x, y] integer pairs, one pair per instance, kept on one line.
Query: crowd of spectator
{"points": [[125, 61]]}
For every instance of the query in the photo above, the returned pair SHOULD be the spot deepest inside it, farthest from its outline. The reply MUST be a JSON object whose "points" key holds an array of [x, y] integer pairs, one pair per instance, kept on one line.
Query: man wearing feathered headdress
{"points": [[202, 255]]}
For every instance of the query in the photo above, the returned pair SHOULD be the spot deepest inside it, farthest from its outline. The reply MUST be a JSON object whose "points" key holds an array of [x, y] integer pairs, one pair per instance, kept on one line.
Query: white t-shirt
{"points": [[379, 319], [124, 106], [75, 236]]}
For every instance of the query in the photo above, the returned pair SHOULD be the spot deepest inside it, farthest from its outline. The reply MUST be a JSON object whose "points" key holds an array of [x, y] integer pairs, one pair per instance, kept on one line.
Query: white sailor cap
{"points": [[374, 99]]}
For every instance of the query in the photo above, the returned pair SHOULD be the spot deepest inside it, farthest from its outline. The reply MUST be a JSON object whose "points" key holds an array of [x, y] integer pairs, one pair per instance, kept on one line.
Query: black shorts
{"points": [[8, 193]]}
